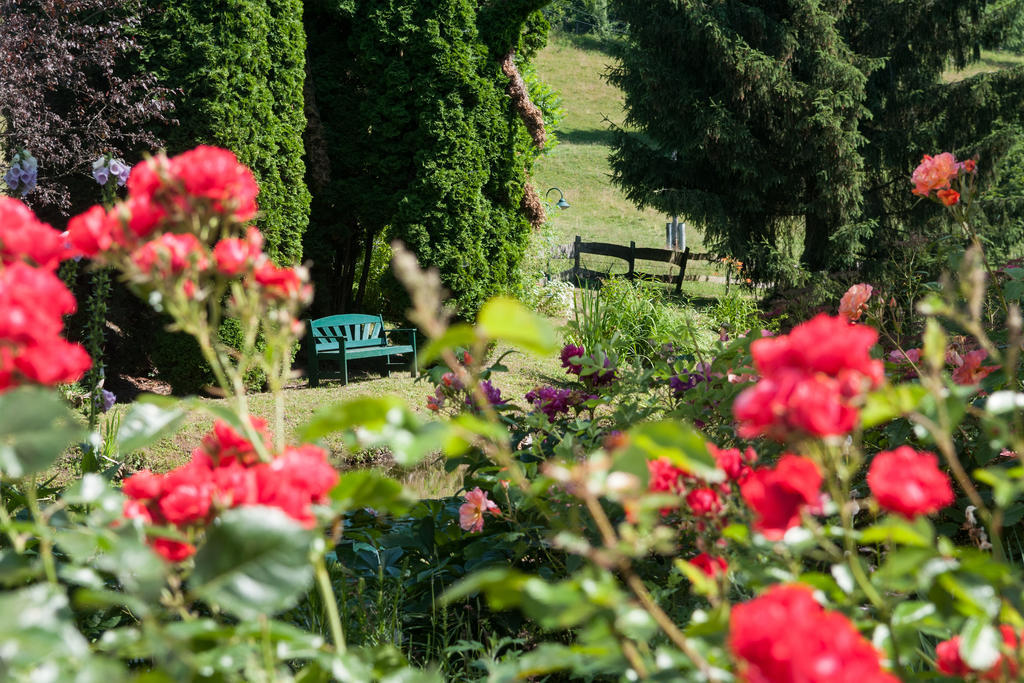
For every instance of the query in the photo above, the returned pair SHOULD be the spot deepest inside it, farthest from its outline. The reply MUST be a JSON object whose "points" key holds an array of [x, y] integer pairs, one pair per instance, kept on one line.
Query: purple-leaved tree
{"points": [[69, 93]]}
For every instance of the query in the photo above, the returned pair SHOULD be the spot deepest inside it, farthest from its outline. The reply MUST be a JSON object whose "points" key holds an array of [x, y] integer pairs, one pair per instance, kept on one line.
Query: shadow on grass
{"points": [[591, 42], [591, 136]]}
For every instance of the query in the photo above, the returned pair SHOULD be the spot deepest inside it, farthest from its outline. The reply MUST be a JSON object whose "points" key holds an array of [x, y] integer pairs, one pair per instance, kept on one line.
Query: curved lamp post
{"points": [[561, 203]]}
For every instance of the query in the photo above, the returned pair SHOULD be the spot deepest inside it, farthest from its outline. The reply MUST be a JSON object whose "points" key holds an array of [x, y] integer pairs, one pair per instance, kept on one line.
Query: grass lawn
{"points": [[991, 60], [578, 165], [427, 480]]}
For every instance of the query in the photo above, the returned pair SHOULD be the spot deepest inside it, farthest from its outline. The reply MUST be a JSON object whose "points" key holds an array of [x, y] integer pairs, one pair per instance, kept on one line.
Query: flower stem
{"points": [[323, 581]]}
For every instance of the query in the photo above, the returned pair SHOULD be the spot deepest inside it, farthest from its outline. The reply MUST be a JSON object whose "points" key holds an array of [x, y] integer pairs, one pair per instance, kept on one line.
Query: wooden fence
{"points": [[630, 255]]}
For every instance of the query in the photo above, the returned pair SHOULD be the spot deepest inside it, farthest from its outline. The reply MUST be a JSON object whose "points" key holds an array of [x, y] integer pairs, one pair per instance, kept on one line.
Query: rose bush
{"points": [[784, 508]]}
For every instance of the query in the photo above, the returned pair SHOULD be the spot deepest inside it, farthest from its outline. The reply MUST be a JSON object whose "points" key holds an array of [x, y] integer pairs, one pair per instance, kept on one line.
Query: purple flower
{"points": [[23, 173], [492, 392], [551, 401], [100, 171], [570, 351], [680, 386], [120, 170], [601, 377], [107, 400], [105, 167]]}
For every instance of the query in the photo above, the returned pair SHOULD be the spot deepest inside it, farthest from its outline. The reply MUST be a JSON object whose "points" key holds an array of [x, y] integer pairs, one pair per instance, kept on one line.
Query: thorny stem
{"points": [[946, 446], [43, 529], [323, 582], [268, 649], [636, 585], [17, 540]]}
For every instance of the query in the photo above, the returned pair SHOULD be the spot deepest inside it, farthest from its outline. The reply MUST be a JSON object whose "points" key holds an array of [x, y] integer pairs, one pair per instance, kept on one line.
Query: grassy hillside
{"points": [[991, 60], [579, 164]]}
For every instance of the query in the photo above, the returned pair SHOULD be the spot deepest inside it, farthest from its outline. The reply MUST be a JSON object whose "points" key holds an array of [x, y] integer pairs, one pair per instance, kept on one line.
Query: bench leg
{"points": [[415, 366]]}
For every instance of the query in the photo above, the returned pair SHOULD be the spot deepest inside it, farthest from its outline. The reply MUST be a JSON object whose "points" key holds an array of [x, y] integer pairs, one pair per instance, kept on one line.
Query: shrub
{"points": [[179, 361], [423, 142], [239, 72], [634, 319]]}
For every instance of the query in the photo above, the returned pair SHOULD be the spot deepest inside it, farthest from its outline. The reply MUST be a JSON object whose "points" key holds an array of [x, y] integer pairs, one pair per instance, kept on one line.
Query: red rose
{"points": [[170, 254], [948, 197], [214, 173], [909, 482], [279, 283], [785, 636], [224, 443], [949, 662], [145, 178], [664, 476], [275, 490], [792, 402], [307, 469], [33, 302], [731, 461], [171, 550], [232, 256], [187, 493], [93, 232], [142, 485], [823, 344], [234, 485], [778, 496], [704, 502], [142, 214], [24, 238], [133, 509], [52, 362], [947, 656], [710, 565]]}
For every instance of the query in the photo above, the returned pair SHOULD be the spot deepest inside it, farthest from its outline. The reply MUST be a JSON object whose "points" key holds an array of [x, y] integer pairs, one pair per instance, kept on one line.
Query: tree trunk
{"points": [[816, 254], [364, 276]]}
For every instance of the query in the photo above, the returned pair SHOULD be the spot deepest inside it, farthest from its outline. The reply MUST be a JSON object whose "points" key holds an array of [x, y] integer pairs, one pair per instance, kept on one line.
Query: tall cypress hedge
{"points": [[424, 142], [237, 67]]}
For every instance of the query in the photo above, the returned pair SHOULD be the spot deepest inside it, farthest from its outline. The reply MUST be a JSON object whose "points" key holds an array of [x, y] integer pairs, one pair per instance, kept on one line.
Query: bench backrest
{"points": [[358, 329]]}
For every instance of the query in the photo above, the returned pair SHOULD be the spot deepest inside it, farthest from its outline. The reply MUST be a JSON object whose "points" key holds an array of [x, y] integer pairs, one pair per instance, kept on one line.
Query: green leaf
{"points": [[146, 422], [505, 319], [894, 529], [368, 489], [367, 412], [684, 446], [934, 343], [456, 336], [35, 428], [503, 588], [979, 644], [38, 628], [255, 562], [891, 402], [87, 490]]}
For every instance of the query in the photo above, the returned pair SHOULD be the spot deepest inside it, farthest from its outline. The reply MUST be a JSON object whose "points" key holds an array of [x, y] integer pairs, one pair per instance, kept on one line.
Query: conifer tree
{"points": [[748, 116], [237, 70], [423, 139]]}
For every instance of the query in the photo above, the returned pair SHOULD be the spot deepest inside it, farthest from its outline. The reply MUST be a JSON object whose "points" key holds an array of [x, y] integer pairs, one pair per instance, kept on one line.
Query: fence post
{"points": [[632, 260], [576, 263], [682, 270]]}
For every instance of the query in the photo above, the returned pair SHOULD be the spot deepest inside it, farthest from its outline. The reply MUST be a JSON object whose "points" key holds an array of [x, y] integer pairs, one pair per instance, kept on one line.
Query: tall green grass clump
{"points": [[634, 319]]}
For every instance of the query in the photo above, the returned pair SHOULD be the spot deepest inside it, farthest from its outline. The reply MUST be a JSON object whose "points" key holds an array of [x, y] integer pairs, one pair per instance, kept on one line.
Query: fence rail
{"points": [[630, 255]]}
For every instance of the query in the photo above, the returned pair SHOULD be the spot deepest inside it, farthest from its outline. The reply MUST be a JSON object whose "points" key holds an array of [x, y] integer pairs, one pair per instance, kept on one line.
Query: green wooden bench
{"points": [[342, 338]]}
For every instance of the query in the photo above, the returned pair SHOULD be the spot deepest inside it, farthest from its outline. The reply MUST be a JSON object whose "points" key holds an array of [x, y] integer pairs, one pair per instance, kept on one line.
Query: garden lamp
{"points": [[561, 203]]}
